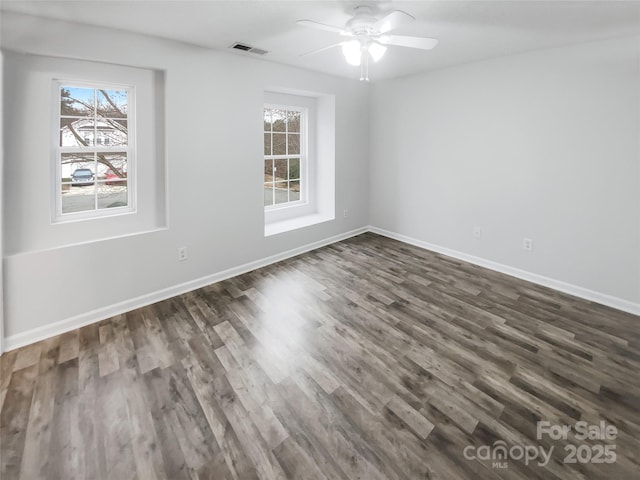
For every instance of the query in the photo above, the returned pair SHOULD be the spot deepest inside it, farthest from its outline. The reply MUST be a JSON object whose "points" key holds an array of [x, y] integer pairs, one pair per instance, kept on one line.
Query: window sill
{"points": [[275, 228]]}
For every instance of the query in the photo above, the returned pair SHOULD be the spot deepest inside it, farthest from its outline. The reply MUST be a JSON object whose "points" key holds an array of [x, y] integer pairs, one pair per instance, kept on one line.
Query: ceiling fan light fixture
{"points": [[376, 51], [367, 36], [352, 52]]}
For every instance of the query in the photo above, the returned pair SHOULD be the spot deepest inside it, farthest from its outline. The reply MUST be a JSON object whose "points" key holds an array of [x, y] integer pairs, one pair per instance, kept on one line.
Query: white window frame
{"points": [[129, 150], [307, 205], [303, 155]]}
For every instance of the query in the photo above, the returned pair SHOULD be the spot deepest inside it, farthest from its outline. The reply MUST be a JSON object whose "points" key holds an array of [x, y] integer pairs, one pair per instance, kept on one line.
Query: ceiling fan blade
{"points": [[408, 41], [320, 26], [313, 52], [392, 21]]}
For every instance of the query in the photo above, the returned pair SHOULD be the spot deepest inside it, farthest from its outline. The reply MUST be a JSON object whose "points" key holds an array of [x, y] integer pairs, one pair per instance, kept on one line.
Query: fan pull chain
{"points": [[364, 66]]}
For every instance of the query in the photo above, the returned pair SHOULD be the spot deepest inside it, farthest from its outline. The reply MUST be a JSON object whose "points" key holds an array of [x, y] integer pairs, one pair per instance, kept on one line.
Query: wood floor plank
{"points": [[7, 360], [144, 436], [27, 356], [63, 454], [14, 419], [69, 346], [93, 463], [160, 392], [115, 429], [208, 385], [414, 419], [38, 434]]}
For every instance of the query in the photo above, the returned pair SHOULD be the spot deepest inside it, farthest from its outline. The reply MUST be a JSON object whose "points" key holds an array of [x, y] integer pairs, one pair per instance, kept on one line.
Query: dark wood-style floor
{"points": [[367, 359]]}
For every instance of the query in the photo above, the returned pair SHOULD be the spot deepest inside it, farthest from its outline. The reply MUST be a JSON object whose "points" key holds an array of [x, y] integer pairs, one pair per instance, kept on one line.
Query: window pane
{"points": [[278, 117], [112, 166], [93, 117], [268, 170], [113, 194], [112, 184], [281, 192], [267, 144], [279, 145], [78, 185], [294, 168], [78, 169], [77, 199], [294, 143], [282, 177], [267, 120], [117, 123], [294, 191], [280, 169], [268, 193], [110, 132], [77, 102], [77, 132], [111, 103], [294, 121]]}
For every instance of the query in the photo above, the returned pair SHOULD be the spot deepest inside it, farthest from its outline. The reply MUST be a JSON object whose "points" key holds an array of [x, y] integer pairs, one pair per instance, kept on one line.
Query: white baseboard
{"points": [[41, 333], [34, 335], [585, 293]]}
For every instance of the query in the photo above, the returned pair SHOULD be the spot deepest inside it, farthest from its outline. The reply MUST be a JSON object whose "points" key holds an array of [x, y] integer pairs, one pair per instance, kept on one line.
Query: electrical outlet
{"points": [[477, 232], [527, 244], [346, 213], [182, 254]]}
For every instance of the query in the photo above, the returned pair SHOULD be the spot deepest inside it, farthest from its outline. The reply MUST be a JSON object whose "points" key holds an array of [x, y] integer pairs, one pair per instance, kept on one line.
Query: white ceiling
{"points": [[468, 30]]}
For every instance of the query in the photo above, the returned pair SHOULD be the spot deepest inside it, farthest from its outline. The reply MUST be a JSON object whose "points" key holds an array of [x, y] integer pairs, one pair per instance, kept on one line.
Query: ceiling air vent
{"points": [[247, 48]]}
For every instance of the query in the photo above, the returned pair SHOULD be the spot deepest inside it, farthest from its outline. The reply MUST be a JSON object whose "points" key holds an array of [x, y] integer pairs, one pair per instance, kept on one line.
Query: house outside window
{"points": [[94, 152]]}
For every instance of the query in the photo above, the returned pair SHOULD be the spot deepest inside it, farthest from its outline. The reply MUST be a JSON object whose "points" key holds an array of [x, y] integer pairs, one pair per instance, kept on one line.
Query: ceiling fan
{"points": [[368, 37]]}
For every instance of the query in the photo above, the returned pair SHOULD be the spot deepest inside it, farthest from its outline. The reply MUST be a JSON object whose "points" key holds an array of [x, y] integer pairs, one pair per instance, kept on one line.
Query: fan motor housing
{"points": [[362, 23]]}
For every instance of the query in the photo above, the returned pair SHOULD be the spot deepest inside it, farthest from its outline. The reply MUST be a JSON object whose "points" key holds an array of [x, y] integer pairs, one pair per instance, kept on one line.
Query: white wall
{"points": [[543, 145], [1, 208], [30, 79], [213, 103]]}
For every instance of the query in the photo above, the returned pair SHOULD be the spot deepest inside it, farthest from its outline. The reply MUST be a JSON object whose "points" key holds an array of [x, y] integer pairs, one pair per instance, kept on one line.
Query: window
{"points": [[94, 154], [298, 159], [285, 160]]}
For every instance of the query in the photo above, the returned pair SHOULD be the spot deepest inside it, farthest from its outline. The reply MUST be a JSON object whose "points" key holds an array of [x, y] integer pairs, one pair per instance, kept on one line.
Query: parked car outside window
{"points": [[82, 176], [115, 179]]}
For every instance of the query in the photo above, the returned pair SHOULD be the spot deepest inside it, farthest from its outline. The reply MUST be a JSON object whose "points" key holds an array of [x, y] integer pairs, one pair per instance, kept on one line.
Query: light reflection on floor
{"points": [[286, 326]]}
